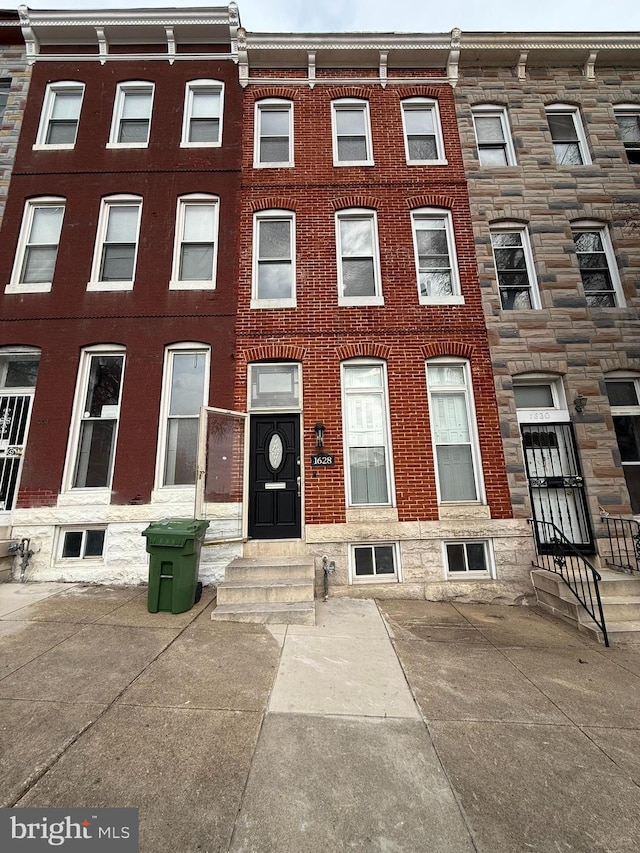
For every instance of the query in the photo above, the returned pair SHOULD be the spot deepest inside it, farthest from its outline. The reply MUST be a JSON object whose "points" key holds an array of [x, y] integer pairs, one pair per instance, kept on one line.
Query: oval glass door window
{"points": [[275, 451]]}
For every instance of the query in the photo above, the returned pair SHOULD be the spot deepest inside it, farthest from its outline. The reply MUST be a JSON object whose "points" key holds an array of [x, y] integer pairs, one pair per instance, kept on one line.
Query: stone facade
{"points": [[13, 67]]}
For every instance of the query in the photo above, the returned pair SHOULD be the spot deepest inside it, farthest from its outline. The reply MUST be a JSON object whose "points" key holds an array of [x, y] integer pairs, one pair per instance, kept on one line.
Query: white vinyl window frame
{"points": [[627, 416], [358, 430], [29, 244], [274, 386], [608, 266], [552, 410], [103, 242], [628, 119], [86, 534], [466, 552], [356, 219], [165, 437], [126, 91], [435, 219], [377, 557], [512, 256], [570, 140], [207, 242], [53, 118], [360, 130], [422, 111], [263, 261], [264, 134], [191, 115], [5, 88], [462, 391], [82, 419], [491, 151]]}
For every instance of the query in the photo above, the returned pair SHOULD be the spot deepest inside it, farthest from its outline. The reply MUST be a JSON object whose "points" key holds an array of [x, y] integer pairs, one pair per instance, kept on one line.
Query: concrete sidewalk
{"points": [[402, 726]]}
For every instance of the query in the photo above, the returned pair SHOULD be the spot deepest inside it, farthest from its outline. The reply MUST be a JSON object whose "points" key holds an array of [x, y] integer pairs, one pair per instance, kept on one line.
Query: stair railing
{"points": [[624, 543], [562, 558]]}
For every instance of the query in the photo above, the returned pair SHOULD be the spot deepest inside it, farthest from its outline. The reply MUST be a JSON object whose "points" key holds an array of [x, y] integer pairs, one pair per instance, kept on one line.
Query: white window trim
{"points": [[431, 104], [165, 402], [396, 577], [627, 109], [474, 442], [500, 112], [59, 560], [582, 138], [556, 413], [194, 199], [106, 204], [121, 90], [47, 109], [589, 225], [262, 216], [456, 298], [264, 106], [534, 289], [489, 557], [193, 86], [76, 420], [252, 407], [360, 213], [363, 362], [15, 285], [351, 103]]}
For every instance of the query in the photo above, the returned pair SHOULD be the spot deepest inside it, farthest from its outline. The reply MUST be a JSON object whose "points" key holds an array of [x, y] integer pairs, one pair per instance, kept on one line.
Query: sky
{"points": [[410, 16]]}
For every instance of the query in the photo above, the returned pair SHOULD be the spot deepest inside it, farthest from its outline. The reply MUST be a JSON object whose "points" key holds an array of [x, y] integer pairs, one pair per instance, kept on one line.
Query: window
{"points": [[454, 441], [624, 399], [468, 559], [5, 86], [569, 141], [351, 133], [435, 254], [359, 281], [97, 409], [366, 433], [493, 136], [374, 562], [196, 244], [598, 269], [202, 123], [131, 115], [82, 544], [186, 389], [514, 268], [114, 259], [628, 118], [273, 143], [35, 259], [422, 131], [274, 386], [274, 259], [18, 375], [60, 115]]}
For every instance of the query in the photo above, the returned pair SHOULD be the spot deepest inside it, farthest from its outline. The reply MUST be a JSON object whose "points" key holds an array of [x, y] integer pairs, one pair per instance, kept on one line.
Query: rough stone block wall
{"points": [[13, 67]]}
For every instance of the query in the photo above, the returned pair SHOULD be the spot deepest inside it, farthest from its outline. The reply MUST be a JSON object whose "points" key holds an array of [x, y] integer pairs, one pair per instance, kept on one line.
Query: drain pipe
{"points": [[329, 568], [22, 549]]}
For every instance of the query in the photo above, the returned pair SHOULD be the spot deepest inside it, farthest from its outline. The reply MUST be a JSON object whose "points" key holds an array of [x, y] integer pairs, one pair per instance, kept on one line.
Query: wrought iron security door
{"points": [[14, 422], [556, 483]]}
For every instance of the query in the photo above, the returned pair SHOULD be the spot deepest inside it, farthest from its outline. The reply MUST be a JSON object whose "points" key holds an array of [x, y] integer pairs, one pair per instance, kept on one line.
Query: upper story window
{"points": [[435, 254], [351, 133], [131, 115], [422, 132], [116, 249], [567, 134], [35, 258], [202, 122], [196, 245], [359, 280], [273, 143], [628, 118], [514, 267], [60, 115], [493, 136], [5, 86], [274, 259], [597, 263]]}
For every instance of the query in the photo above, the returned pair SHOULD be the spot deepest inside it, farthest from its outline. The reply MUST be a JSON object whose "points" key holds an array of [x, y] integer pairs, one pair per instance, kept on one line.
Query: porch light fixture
{"points": [[580, 404], [319, 431]]}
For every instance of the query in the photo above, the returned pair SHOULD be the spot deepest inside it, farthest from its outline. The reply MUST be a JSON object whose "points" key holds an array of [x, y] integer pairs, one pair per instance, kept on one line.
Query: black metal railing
{"points": [[624, 543], [556, 554]]}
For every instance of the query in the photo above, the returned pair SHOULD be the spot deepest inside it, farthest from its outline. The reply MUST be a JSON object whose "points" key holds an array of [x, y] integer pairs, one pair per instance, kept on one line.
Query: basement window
{"points": [[470, 559], [375, 563], [82, 544]]}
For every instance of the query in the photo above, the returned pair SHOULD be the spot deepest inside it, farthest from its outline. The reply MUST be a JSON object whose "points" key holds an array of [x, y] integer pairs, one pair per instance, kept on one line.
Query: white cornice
{"points": [[129, 17]]}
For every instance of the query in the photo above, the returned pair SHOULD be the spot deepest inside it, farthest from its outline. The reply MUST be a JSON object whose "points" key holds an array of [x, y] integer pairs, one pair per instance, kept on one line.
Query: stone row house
{"points": [[398, 270]]}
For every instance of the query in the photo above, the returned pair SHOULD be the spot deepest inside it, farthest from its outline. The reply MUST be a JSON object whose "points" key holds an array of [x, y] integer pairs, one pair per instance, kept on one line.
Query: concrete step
{"points": [[263, 569], [5, 571], [275, 548], [253, 592], [619, 608], [624, 632], [296, 613]]}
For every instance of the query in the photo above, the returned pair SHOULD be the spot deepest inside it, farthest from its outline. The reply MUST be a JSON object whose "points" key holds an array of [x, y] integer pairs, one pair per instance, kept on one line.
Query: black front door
{"points": [[274, 477]]}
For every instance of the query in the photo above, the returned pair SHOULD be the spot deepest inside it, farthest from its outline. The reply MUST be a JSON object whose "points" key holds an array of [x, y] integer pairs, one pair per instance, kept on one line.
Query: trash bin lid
{"points": [[174, 532]]}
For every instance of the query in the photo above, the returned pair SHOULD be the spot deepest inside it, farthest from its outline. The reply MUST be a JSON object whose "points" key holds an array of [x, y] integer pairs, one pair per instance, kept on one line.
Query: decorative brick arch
{"points": [[273, 203], [284, 92], [364, 350], [431, 201], [419, 91], [355, 201], [274, 352], [349, 92], [448, 348]]}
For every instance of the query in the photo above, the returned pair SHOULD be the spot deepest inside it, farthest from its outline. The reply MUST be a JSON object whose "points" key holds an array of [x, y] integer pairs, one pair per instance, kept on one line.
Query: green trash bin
{"points": [[173, 545]]}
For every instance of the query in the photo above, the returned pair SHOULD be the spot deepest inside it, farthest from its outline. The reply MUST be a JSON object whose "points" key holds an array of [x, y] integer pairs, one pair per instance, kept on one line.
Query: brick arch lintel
{"points": [[348, 92], [286, 92], [273, 203], [448, 348], [274, 352], [431, 201], [355, 201], [363, 349], [419, 91]]}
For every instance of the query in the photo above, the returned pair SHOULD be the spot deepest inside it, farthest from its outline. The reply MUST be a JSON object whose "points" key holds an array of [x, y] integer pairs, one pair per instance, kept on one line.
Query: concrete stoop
{"points": [[620, 596], [275, 590], [6, 559]]}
